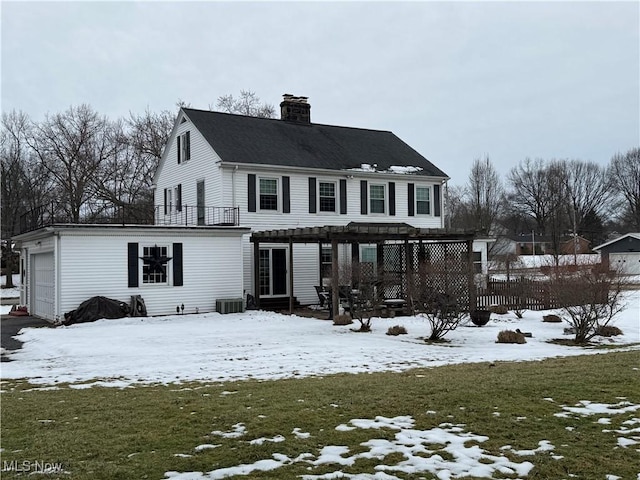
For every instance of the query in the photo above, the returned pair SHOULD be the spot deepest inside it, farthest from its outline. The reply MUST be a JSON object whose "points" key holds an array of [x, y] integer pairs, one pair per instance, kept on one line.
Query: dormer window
{"points": [[184, 147]]}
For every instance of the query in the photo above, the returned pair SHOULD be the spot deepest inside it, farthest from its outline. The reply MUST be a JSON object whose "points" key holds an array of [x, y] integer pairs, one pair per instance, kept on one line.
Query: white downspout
{"points": [[445, 196]]}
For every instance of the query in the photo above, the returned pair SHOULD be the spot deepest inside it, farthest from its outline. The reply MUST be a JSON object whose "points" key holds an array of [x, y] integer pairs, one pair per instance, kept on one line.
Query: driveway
{"points": [[10, 326]]}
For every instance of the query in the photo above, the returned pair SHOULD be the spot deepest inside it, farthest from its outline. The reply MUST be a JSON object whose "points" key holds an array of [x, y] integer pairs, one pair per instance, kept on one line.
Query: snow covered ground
{"points": [[10, 292], [266, 345]]}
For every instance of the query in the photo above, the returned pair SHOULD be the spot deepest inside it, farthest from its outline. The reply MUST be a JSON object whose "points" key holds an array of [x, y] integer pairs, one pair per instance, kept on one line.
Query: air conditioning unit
{"points": [[229, 305]]}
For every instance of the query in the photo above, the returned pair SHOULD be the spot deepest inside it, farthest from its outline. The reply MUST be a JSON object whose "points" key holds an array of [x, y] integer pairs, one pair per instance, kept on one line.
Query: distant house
{"points": [[622, 253], [532, 244]]}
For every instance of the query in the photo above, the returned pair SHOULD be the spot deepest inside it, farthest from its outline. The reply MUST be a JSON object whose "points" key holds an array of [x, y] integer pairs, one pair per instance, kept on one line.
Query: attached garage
{"points": [[168, 266], [43, 288]]}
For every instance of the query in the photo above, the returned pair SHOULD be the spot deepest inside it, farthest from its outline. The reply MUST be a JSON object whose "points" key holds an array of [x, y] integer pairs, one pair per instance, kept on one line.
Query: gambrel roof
{"points": [[265, 141]]}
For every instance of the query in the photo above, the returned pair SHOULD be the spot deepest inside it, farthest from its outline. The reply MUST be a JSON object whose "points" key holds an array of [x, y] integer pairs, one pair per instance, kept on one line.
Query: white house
{"points": [[223, 178], [291, 173], [64, 265]]}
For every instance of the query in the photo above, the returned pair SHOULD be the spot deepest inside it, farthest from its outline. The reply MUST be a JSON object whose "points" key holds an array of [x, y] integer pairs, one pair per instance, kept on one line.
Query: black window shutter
{"points": [[177, 265], [179, 199], [363, 197], [178, 145], [343, 197], [312, 195], [252, 192], [133, 264], [392, 198], [436, 200], [286, 195], [187, 148], [411, 193], [165, 201]]}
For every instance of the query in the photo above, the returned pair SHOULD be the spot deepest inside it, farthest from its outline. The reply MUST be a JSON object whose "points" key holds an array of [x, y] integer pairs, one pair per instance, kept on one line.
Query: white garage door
{"points": [[43, 283], [628, 263]]}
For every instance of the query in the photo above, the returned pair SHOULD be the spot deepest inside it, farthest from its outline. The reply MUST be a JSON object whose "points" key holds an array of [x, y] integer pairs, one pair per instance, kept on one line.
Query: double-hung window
{"points": [[423, 200], [268, 194], [327, 194], [377, 198]]}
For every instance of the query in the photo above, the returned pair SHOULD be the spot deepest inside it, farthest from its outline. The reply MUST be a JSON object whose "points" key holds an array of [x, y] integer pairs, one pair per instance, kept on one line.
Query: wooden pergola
{"points": [[355, 234]]}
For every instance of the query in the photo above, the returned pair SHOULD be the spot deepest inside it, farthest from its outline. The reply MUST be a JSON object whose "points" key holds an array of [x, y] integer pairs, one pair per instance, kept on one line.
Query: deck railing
{"points": [[104, 214], [189, 215]]}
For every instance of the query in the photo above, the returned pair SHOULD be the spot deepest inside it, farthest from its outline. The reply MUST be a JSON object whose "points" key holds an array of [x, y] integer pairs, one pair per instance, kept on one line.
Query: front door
{"points": [[273, 272]]}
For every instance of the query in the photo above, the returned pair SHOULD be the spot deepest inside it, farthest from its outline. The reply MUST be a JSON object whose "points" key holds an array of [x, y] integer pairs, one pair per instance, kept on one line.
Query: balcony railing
{"points": [[188, 215], [104, 214]]}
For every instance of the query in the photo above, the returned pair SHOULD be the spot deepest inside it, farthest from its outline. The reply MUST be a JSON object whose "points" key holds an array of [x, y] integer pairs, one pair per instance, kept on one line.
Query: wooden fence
{"points": [[519, 293]]}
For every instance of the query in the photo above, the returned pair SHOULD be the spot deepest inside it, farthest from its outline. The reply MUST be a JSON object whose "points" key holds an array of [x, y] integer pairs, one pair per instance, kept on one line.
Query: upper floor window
{"points": [[376, 199], [327, 194], [423, 200], [184, 147], [268, 194]]}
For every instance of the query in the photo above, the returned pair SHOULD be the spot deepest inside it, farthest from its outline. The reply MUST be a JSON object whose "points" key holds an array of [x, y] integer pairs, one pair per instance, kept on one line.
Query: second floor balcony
{"points": [[103, 213]]}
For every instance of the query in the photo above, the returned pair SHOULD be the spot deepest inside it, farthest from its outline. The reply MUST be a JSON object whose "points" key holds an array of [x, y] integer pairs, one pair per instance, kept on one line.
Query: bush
{"points": [[509, 336], [499, 309], [342, 320], [551, 319], [397, 330], [608, 331]]}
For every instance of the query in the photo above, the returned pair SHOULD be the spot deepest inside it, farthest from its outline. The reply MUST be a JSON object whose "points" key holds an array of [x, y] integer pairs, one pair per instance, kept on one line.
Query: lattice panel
{"points": [[418, 270]]}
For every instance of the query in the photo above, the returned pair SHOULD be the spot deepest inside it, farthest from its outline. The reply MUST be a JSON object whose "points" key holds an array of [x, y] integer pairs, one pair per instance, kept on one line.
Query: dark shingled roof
{"points": [[242, 139]]}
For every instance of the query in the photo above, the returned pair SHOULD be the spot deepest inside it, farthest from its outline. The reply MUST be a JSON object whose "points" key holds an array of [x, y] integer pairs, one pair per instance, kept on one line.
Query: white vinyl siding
{"points": [[202, 165], [91, 263]]}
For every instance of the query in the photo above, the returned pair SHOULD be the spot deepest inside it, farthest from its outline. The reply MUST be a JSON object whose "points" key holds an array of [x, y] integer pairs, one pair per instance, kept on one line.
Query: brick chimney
{"points": [[295, 109]]}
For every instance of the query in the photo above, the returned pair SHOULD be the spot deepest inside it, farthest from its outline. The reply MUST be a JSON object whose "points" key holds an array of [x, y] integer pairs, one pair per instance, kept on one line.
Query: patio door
{"points": [[273, 272]]}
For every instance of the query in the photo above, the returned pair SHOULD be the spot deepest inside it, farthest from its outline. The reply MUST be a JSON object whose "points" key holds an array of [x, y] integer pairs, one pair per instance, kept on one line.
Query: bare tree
{"points": [[457, 211], [589, 191], [13, 155], [24, 184], [126, 177], [539, 191], [73, 147], [529, 193], [589, 298], [485, 194], [248, 103], [558, 201], [624, 171]]}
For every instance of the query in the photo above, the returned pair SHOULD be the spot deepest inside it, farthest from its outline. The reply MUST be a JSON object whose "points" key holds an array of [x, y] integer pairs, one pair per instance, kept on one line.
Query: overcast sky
{"points": [[455, 80]]}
